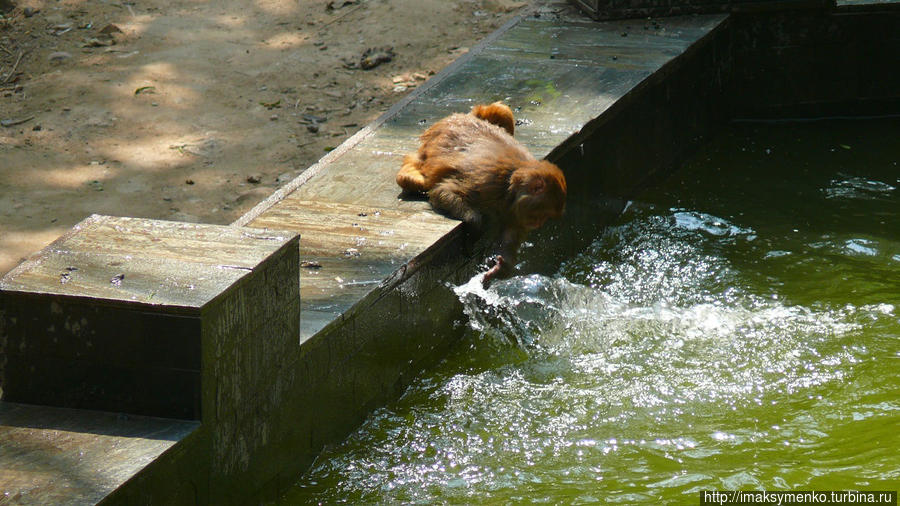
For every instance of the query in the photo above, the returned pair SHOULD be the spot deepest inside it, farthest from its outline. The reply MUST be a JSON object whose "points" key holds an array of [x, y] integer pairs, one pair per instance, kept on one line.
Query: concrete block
{"points": [[135, 315]]}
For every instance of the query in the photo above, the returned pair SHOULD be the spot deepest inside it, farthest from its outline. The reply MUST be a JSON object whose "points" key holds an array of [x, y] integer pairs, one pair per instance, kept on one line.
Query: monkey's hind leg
{"points": [[452, 204], [410, 178]]}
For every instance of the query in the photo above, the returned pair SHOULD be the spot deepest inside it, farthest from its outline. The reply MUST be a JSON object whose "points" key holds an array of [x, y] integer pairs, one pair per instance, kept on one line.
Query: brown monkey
{"points": [[471, 167]]}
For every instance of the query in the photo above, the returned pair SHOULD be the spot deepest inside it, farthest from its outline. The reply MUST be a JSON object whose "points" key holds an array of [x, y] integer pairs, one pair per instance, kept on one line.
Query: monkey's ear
{"points": [[537, 185]]}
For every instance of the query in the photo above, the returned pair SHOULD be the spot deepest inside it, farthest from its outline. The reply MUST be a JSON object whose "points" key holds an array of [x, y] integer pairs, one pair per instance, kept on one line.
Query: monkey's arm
{"points": [[505, 262], [496, 271]]}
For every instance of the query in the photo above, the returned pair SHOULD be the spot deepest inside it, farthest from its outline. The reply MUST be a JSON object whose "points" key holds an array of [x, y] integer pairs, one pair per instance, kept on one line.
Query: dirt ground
{"points": [[195, 110]]}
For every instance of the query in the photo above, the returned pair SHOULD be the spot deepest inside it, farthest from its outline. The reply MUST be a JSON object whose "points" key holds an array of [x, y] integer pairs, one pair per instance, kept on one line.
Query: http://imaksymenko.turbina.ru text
{"points": [[809, 497]]}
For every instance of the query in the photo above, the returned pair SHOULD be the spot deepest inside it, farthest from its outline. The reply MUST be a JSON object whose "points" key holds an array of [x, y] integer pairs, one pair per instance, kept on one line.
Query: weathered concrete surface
{"points": [[65, 456]]}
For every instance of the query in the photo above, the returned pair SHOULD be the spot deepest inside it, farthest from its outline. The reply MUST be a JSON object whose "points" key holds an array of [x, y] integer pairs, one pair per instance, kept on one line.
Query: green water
{"points": [[738, 328]]}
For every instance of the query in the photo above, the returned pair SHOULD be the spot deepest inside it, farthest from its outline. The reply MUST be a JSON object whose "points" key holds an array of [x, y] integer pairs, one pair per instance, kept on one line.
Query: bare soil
{"points": [[196, 110]]}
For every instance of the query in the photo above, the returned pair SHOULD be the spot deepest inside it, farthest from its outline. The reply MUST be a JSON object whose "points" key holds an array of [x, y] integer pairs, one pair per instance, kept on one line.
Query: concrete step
{"points": [[70, 457]]}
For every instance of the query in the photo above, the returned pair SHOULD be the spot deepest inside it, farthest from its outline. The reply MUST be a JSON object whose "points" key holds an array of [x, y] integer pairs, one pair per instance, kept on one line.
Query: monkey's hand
{"points": [[501, 268]]}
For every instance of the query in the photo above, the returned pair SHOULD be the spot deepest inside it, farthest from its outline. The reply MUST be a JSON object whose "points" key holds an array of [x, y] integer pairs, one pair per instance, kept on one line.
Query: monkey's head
{"points": [[539, 191]]}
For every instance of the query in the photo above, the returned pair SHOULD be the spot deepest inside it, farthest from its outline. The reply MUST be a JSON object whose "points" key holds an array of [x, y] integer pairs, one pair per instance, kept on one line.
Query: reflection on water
{"points": [[849, 187], [737, 328]]}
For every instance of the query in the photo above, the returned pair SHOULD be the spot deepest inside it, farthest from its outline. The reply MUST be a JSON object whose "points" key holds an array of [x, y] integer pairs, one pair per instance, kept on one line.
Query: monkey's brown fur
{"points": [[471, 167]]}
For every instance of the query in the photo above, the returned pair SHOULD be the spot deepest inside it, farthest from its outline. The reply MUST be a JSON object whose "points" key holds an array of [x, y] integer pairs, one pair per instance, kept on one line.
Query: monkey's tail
{"points": [[410, 178], [497, 113]]}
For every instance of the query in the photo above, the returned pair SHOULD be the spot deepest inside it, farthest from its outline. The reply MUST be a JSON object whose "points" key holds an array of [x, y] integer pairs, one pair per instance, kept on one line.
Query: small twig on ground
{"points": [[13, 71], [7, 50], [13, 122]]}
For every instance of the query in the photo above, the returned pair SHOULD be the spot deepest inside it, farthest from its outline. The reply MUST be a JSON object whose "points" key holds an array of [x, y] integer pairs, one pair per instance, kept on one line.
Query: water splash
{"points": [[654, 328]]}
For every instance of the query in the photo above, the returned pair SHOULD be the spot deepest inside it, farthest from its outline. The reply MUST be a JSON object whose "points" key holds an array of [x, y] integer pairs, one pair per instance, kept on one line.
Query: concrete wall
{"points": [[817, 63]]}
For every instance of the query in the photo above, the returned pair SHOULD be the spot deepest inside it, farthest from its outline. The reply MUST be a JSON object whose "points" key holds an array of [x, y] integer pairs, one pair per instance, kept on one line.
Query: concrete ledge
{"points": [[67, 456]]}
